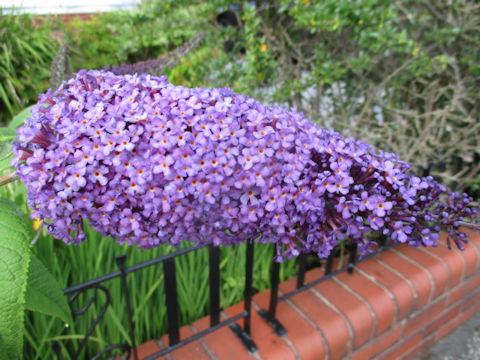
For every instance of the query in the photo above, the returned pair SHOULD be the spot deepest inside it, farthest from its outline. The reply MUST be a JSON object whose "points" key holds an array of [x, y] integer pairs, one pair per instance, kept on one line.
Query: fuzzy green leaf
{"points": [[14, 261], [5, 155], [20, 118], [7, 134], [44, 294]]}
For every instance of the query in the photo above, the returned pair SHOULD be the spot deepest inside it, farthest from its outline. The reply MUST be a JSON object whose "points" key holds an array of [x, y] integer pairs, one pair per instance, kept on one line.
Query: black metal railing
{"points": [[269, 315], [170, 286]]}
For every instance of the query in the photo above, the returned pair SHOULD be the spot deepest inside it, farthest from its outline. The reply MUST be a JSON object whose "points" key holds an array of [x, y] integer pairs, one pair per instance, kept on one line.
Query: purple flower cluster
{"points": [[148, 162]]}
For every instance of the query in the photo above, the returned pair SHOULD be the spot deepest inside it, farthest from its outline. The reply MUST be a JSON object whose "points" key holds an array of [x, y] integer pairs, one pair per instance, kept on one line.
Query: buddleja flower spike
{"points": [[148, 162]]}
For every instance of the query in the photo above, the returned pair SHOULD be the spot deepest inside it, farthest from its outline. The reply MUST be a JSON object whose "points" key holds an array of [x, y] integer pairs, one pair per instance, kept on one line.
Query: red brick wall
{"points": [[394, 306]]}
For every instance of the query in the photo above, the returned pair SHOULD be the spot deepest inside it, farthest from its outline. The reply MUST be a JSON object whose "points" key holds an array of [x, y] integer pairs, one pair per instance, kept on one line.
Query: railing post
{"points": [[171, 300], [352, 259], [383, 242], [302, 267], [248, 285], [120, 260], [329, 265], [274, 279], [269, 316], [214, 267], [244, 334]]}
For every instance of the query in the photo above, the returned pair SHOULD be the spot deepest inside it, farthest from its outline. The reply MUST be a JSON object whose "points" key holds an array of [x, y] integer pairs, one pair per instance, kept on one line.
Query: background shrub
{"points": [[401, 75], [26, 50], [152, 29]]}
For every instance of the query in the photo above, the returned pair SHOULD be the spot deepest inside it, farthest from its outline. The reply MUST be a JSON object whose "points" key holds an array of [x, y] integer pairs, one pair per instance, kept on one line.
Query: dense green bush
{"points": [[26, 50]]}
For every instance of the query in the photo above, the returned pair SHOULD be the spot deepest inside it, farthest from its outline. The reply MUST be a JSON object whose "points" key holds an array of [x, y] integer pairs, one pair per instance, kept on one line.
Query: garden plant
{"points": [[147, 162]]}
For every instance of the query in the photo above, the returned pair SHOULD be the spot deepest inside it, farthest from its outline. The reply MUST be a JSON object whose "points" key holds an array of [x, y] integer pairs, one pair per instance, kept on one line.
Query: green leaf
{"points": [[14, 260], [7, 134], [44, 294], [4, 96], [5, 155], [20, 118]]}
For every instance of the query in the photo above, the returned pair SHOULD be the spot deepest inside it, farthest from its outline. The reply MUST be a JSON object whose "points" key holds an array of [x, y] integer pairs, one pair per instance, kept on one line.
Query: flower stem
{"points": [[475, 227], [4, 180]]}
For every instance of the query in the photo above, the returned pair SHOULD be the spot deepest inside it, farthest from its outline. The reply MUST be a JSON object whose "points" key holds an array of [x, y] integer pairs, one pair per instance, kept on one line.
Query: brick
{"points": [[193, 350], [471, 252], [443, 246], [355, 310], [416, 275], [403, 347], [471, 257], [329, 323], [424, 317], [448, 315], [474, 237], [454, 261], [146, 350], [223, 343], [378, 344], [472, 300], [304, 337], [437, 269], [378, 299], [452, 325], [402, 293], [467, 314], [270, 346], [310, 276], [463, 290]]}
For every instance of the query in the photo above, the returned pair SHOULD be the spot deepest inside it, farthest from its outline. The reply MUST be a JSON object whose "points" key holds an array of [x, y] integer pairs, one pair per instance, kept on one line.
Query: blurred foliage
{"points": [[401, 75], [28, 44], [26, 50], [146, 32]]}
